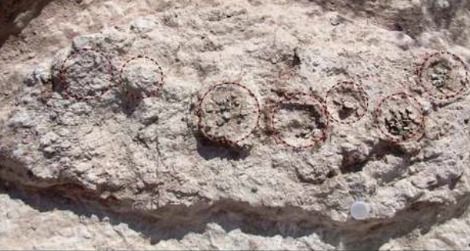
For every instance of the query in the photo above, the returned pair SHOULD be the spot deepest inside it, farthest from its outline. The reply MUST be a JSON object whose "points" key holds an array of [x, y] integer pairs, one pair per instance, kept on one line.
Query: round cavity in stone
{"points": [[346, 102], [400, 117], [360, 210], [299, 121], [85, 73], [228, 112], [444, 76], [142, 76]]}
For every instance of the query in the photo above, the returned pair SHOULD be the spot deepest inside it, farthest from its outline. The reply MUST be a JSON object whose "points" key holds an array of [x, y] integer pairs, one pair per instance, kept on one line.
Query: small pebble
{"points": [[360, 210]]}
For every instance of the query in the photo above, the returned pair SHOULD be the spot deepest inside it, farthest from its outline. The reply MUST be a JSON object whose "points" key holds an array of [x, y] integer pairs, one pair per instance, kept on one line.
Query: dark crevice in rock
{"points": [[16, 14], [412, 20], [296, 61], [176, 221], [419, 215], [210, 150], [384, 148], [352, 162]]}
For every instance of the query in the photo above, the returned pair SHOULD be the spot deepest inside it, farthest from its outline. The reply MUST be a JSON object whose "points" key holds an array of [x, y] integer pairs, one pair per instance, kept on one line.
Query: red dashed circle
{"points": [[63, 70], [225, 140], [433, 57], [418, 134], [364, 96], [293, 99], [158, 83]]}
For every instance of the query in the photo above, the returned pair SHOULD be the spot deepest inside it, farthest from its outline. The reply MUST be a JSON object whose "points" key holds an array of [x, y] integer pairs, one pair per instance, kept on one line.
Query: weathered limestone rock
{"points": [[241, 125]]}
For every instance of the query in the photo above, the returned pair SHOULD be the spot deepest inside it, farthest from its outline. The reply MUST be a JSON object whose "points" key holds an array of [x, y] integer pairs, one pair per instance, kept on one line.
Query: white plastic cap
{"points": [[360, 210]]}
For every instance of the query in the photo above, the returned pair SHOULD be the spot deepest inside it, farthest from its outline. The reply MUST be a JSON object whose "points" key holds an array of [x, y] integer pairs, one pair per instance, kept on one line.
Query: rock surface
{"points": [[220, 125]]}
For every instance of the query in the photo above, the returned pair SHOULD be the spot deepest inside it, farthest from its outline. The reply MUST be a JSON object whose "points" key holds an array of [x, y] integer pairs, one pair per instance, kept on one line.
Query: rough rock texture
{"points": [[224, 125]]}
